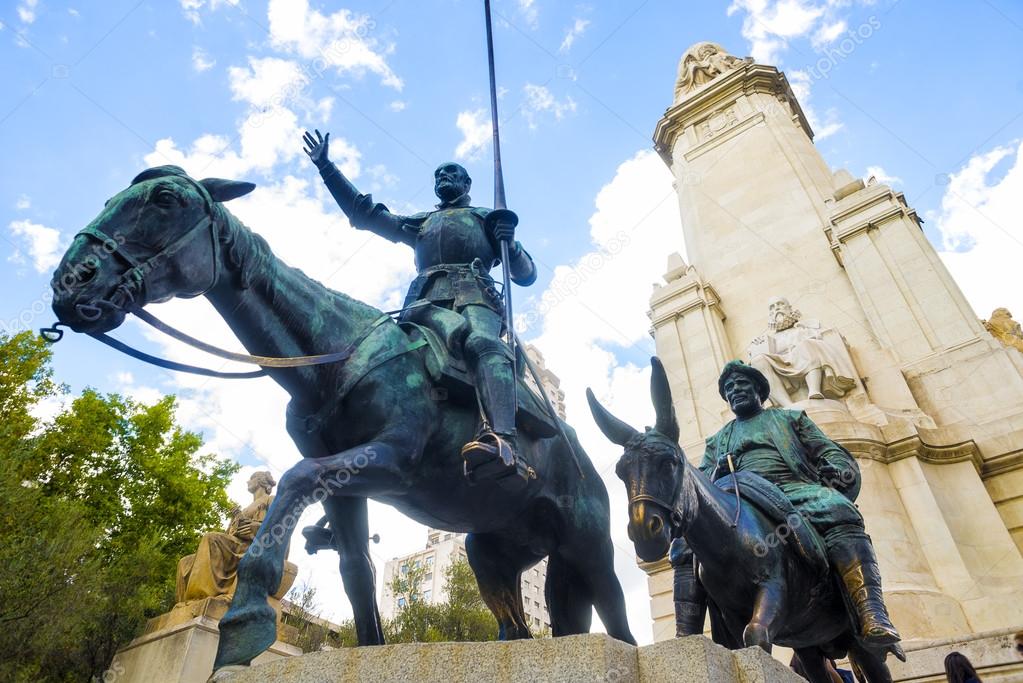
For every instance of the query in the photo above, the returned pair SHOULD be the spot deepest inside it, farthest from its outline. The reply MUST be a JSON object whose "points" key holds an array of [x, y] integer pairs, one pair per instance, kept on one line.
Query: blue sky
{"points": [[930, 101]]}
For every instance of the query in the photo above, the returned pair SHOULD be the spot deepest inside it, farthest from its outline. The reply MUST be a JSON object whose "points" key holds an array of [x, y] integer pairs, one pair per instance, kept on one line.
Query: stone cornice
{"points": [[869, 199], [915, 446], [1000, 464], [747, 80], [654, 567], [679, 298]]}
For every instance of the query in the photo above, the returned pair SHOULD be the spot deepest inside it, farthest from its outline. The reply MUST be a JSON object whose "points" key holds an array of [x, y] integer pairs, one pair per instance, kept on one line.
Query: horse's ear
{"points": [[614, 429], [660, 393], [225, 190]]}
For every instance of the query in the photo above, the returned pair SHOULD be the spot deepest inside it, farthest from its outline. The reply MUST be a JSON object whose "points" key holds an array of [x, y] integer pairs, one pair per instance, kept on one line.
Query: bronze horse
{"points": [[371, 427], [761, 592]]}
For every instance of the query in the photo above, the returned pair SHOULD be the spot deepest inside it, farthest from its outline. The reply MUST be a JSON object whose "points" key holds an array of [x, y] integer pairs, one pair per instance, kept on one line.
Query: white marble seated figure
{"points": [[795, 353]]}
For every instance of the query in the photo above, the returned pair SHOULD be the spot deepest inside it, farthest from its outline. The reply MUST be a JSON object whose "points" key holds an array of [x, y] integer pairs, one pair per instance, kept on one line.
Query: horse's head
{"points": [[153, 241], [652, 468]]}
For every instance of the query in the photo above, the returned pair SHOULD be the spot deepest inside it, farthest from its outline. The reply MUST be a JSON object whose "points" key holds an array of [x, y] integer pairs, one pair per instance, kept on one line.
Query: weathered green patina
{"points": [[456, 245], [769, 516], [373, 426]]}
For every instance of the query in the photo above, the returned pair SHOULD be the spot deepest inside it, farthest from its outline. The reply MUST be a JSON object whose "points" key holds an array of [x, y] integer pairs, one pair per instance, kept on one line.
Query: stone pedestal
{"points": [[584, 658], [992, 654], [179, 646]]}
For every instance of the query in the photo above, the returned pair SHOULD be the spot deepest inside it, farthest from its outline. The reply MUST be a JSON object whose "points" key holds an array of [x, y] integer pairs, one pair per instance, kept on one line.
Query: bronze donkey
{"points": [[761, 592]]}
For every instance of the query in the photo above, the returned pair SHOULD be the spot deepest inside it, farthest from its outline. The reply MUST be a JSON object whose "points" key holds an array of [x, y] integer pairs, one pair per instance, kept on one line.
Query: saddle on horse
{"points": [[443, 332]]}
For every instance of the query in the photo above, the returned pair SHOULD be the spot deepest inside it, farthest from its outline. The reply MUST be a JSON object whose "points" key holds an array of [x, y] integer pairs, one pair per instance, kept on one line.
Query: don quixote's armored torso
{"points": [[454, 236], [454, 255]]}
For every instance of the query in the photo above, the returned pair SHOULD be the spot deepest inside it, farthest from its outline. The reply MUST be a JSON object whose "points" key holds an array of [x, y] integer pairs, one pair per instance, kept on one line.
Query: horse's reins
{"points": [[132, 283]]}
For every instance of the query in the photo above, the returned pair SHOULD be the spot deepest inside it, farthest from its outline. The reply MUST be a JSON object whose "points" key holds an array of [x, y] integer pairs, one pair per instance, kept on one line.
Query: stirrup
{"points": [[491, 457]]}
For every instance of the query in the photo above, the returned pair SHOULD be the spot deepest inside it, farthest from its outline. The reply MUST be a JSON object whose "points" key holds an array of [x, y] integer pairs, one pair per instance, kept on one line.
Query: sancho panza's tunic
{"points": [[787, 448]]}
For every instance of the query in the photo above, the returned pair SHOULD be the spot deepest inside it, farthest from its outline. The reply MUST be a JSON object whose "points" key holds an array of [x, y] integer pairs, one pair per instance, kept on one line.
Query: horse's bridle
{"points": [[131, 284], [674, 510]]}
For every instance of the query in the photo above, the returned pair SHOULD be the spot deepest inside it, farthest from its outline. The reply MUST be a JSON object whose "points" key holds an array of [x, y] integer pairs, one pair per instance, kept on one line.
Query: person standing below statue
{"points": [[793, 353], [213, 569], [455, 247], [818, 476]]}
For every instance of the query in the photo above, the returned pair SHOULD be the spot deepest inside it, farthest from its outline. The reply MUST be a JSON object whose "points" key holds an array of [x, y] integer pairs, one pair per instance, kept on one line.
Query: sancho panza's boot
{"points": [[689, 594], [494, 453], [857, 566]]}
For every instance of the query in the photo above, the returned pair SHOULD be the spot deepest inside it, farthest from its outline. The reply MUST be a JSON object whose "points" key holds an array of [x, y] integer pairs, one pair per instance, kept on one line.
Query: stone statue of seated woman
{"points": [[213, 570]]}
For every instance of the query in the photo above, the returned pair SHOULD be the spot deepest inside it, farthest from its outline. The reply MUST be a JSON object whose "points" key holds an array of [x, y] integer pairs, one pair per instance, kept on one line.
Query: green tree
{"points": [[99, 504], [462, 617]]}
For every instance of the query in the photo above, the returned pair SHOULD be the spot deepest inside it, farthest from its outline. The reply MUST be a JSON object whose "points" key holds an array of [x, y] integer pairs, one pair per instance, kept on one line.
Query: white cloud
{"points": [[126, 385], [397, 105], [540, 99], [800, 81], [23, 202], [770, 24], [634, 226], [201, 60], [827, 33], [982, 242], [340, 40], [73, 12], [27, 11], [530, 12], [265, 140], [268, 82], [575, 31], [476, 133], [43, 244], [880, 175], [269, 134], [193, 8]]}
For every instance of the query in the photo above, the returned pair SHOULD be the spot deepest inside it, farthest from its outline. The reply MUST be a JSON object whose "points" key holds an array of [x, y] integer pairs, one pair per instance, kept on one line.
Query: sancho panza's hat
{"points": [[759, 381]]}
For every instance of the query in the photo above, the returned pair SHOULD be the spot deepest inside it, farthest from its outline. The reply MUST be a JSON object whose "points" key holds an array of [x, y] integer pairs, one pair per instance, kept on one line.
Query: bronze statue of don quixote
{"points": [[490, 459]]}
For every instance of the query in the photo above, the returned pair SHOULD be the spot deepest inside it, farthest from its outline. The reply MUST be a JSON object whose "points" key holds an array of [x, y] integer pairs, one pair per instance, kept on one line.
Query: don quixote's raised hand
{"points": [[317, 147]]}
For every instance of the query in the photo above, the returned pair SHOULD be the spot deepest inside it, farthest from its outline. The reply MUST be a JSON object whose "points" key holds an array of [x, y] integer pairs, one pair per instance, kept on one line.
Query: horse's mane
{"points": [[248, 254], [255, 264]]}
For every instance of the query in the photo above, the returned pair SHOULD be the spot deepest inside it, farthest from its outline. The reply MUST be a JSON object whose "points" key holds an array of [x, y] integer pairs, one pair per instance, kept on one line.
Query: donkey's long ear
{"points": [[660, 393], [614, 429], [225, 190]]}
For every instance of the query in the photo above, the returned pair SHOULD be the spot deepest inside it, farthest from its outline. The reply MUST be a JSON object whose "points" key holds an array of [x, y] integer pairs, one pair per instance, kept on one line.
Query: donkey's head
{"points": [[153, 241], [652, 468]]}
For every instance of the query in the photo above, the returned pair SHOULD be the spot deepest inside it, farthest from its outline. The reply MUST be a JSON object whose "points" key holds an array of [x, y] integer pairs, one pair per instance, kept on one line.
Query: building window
{"points": [[428, 577], [429, 561], [401, 602], [427, 594], [404, 568]]}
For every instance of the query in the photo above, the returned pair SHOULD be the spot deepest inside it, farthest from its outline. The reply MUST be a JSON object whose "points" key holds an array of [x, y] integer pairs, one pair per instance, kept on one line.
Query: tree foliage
{"points": [[463, 616], [100, 502]]}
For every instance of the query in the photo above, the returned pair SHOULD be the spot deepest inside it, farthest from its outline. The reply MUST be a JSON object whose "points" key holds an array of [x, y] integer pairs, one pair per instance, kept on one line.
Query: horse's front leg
{"points": [[767, 607], [250, 627]]}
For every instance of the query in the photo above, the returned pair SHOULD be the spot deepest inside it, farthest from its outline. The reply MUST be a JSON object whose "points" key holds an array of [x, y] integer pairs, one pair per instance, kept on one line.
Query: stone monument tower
{"points": [[890, 359]]}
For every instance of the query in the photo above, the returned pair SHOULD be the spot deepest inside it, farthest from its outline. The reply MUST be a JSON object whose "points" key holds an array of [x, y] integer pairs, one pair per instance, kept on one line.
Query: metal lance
{"points": [[501, 215]]}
